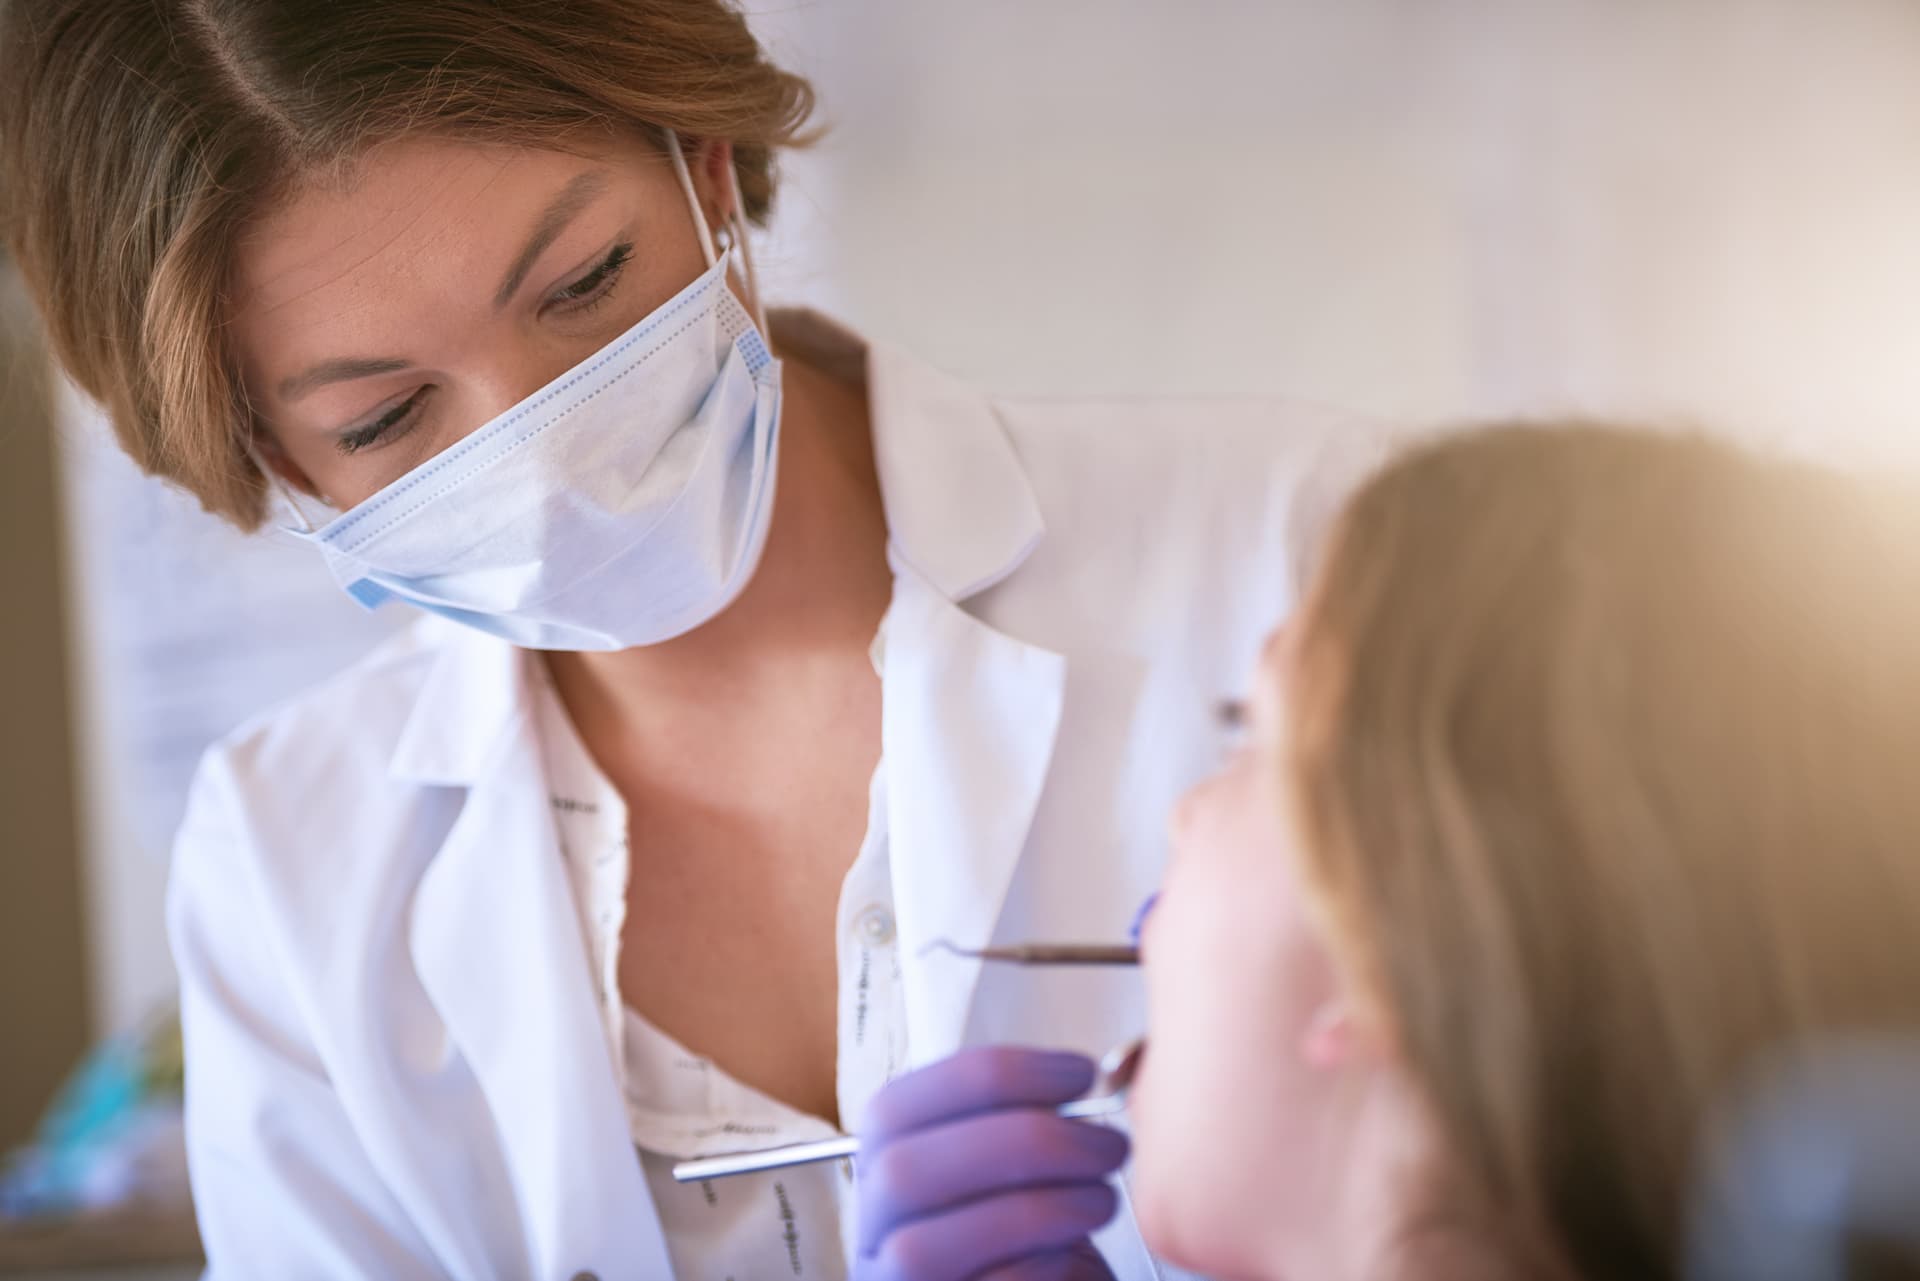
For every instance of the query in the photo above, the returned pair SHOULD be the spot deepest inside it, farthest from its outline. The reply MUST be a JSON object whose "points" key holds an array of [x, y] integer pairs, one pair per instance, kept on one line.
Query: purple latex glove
{"points": [[965, 1172]]}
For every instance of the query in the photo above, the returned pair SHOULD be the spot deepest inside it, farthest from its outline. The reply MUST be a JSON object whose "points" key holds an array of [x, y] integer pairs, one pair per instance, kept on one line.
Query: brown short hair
{"points": [[136, 138], [1604, 749]]}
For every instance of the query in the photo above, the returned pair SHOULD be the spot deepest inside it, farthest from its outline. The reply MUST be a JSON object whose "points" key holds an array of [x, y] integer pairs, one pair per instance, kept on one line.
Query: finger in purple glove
{"points": [[924, 1172], [1082, 1263], [980, 1079], [982, 1235]]}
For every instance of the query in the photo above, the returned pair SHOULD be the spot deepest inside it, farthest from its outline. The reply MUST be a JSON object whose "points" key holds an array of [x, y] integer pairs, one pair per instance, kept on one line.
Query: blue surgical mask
{"points": [[625, 503]]}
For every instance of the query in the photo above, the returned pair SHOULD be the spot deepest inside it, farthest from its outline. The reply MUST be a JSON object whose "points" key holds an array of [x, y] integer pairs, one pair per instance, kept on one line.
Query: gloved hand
{"points": [[966, 1173]]}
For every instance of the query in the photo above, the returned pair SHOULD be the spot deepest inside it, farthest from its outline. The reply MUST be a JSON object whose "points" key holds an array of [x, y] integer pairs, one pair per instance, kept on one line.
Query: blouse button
{"points": [[586, 1276], [874, 926]]}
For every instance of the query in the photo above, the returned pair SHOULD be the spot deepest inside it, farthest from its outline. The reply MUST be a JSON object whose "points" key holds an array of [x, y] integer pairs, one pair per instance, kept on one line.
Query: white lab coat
{"points": [[396, 1067]]}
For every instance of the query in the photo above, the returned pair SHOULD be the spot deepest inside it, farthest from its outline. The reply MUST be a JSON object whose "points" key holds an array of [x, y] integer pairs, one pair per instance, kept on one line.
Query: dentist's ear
{"points": [[715, 178]]}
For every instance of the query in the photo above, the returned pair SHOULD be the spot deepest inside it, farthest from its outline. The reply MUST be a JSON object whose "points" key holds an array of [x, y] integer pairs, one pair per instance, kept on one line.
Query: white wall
{"points": [[1431, 209], [1421, 207]]}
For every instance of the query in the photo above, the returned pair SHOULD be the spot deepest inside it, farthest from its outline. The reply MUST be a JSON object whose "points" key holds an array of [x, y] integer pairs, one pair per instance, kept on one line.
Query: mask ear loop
{"points": [[693, 201], [736, 220], [746, 255]]}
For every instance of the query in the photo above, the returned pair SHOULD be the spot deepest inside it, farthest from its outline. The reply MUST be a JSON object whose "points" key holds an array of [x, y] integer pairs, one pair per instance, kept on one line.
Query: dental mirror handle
{"points": [[720, 1167]]}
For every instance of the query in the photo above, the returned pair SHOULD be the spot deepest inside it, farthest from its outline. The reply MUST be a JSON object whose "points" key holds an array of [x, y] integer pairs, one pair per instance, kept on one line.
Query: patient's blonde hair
{"points": [[1607, 750]]}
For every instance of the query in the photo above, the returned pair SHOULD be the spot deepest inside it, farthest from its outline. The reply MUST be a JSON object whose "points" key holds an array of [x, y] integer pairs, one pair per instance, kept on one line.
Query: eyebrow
{"points": [[574, 197], [340, 370]]}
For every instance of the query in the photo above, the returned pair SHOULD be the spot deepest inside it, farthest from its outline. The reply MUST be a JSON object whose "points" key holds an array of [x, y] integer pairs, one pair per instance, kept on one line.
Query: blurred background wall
{"points": [[43, 966], [1700, 210], [1427, 208]]}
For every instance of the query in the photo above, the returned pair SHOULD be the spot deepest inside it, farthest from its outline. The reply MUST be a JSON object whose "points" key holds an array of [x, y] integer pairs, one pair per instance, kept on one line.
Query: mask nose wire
{"points": [[737, 217]]}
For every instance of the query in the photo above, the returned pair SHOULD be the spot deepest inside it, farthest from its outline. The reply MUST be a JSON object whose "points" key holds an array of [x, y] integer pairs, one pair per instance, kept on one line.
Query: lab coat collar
{"points": [[496, 942], [474, 693], [970, 714], [968, 724], [960, 509]]}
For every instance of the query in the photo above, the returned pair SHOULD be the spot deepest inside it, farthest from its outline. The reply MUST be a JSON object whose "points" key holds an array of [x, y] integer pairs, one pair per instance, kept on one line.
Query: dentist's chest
{"points": [[716, 884], [737, 992]]}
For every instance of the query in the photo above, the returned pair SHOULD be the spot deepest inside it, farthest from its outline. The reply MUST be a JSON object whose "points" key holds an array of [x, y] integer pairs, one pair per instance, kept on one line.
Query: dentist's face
{"points": [[380, 319], [1231, 1112]]}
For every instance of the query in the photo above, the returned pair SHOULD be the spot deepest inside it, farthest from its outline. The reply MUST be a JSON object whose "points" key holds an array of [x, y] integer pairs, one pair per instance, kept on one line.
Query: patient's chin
{"points": [[1185, 1225]]}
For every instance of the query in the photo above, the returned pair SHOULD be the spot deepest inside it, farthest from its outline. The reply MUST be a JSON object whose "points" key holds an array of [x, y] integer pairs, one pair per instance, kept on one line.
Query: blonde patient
{"points": [[1582, 790]]}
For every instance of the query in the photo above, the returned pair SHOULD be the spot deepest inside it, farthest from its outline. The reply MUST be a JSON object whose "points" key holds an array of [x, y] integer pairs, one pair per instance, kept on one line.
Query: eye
{"points": [[388, 426], [597, 283]]}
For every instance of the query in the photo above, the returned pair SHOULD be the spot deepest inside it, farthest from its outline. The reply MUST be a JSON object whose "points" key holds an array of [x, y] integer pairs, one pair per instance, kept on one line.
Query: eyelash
{"points": [[583, 295], [591, 289], [362, 437]]}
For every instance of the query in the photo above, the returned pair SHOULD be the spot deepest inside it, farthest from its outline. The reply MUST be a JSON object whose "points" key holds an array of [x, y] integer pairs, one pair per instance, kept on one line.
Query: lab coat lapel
{"points": [[967, 729], [497, 945], [969, 713]]}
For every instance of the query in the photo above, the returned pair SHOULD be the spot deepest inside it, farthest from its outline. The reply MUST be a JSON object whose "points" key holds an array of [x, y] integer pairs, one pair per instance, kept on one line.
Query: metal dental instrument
{"points": [[1109, 1095], [1044, 953]]}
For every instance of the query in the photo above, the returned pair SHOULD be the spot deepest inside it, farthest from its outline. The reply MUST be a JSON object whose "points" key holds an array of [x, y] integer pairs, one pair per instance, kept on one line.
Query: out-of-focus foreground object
{"points": [[1816, 1172], [104, 1183]]}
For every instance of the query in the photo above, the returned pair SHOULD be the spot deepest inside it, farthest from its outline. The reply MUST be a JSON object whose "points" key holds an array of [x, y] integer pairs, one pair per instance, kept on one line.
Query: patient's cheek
{"points": [[1204, 1177]]}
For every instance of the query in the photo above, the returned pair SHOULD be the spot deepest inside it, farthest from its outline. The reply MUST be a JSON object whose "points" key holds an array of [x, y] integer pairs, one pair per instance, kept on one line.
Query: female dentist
{"points": [[632, 848]]}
